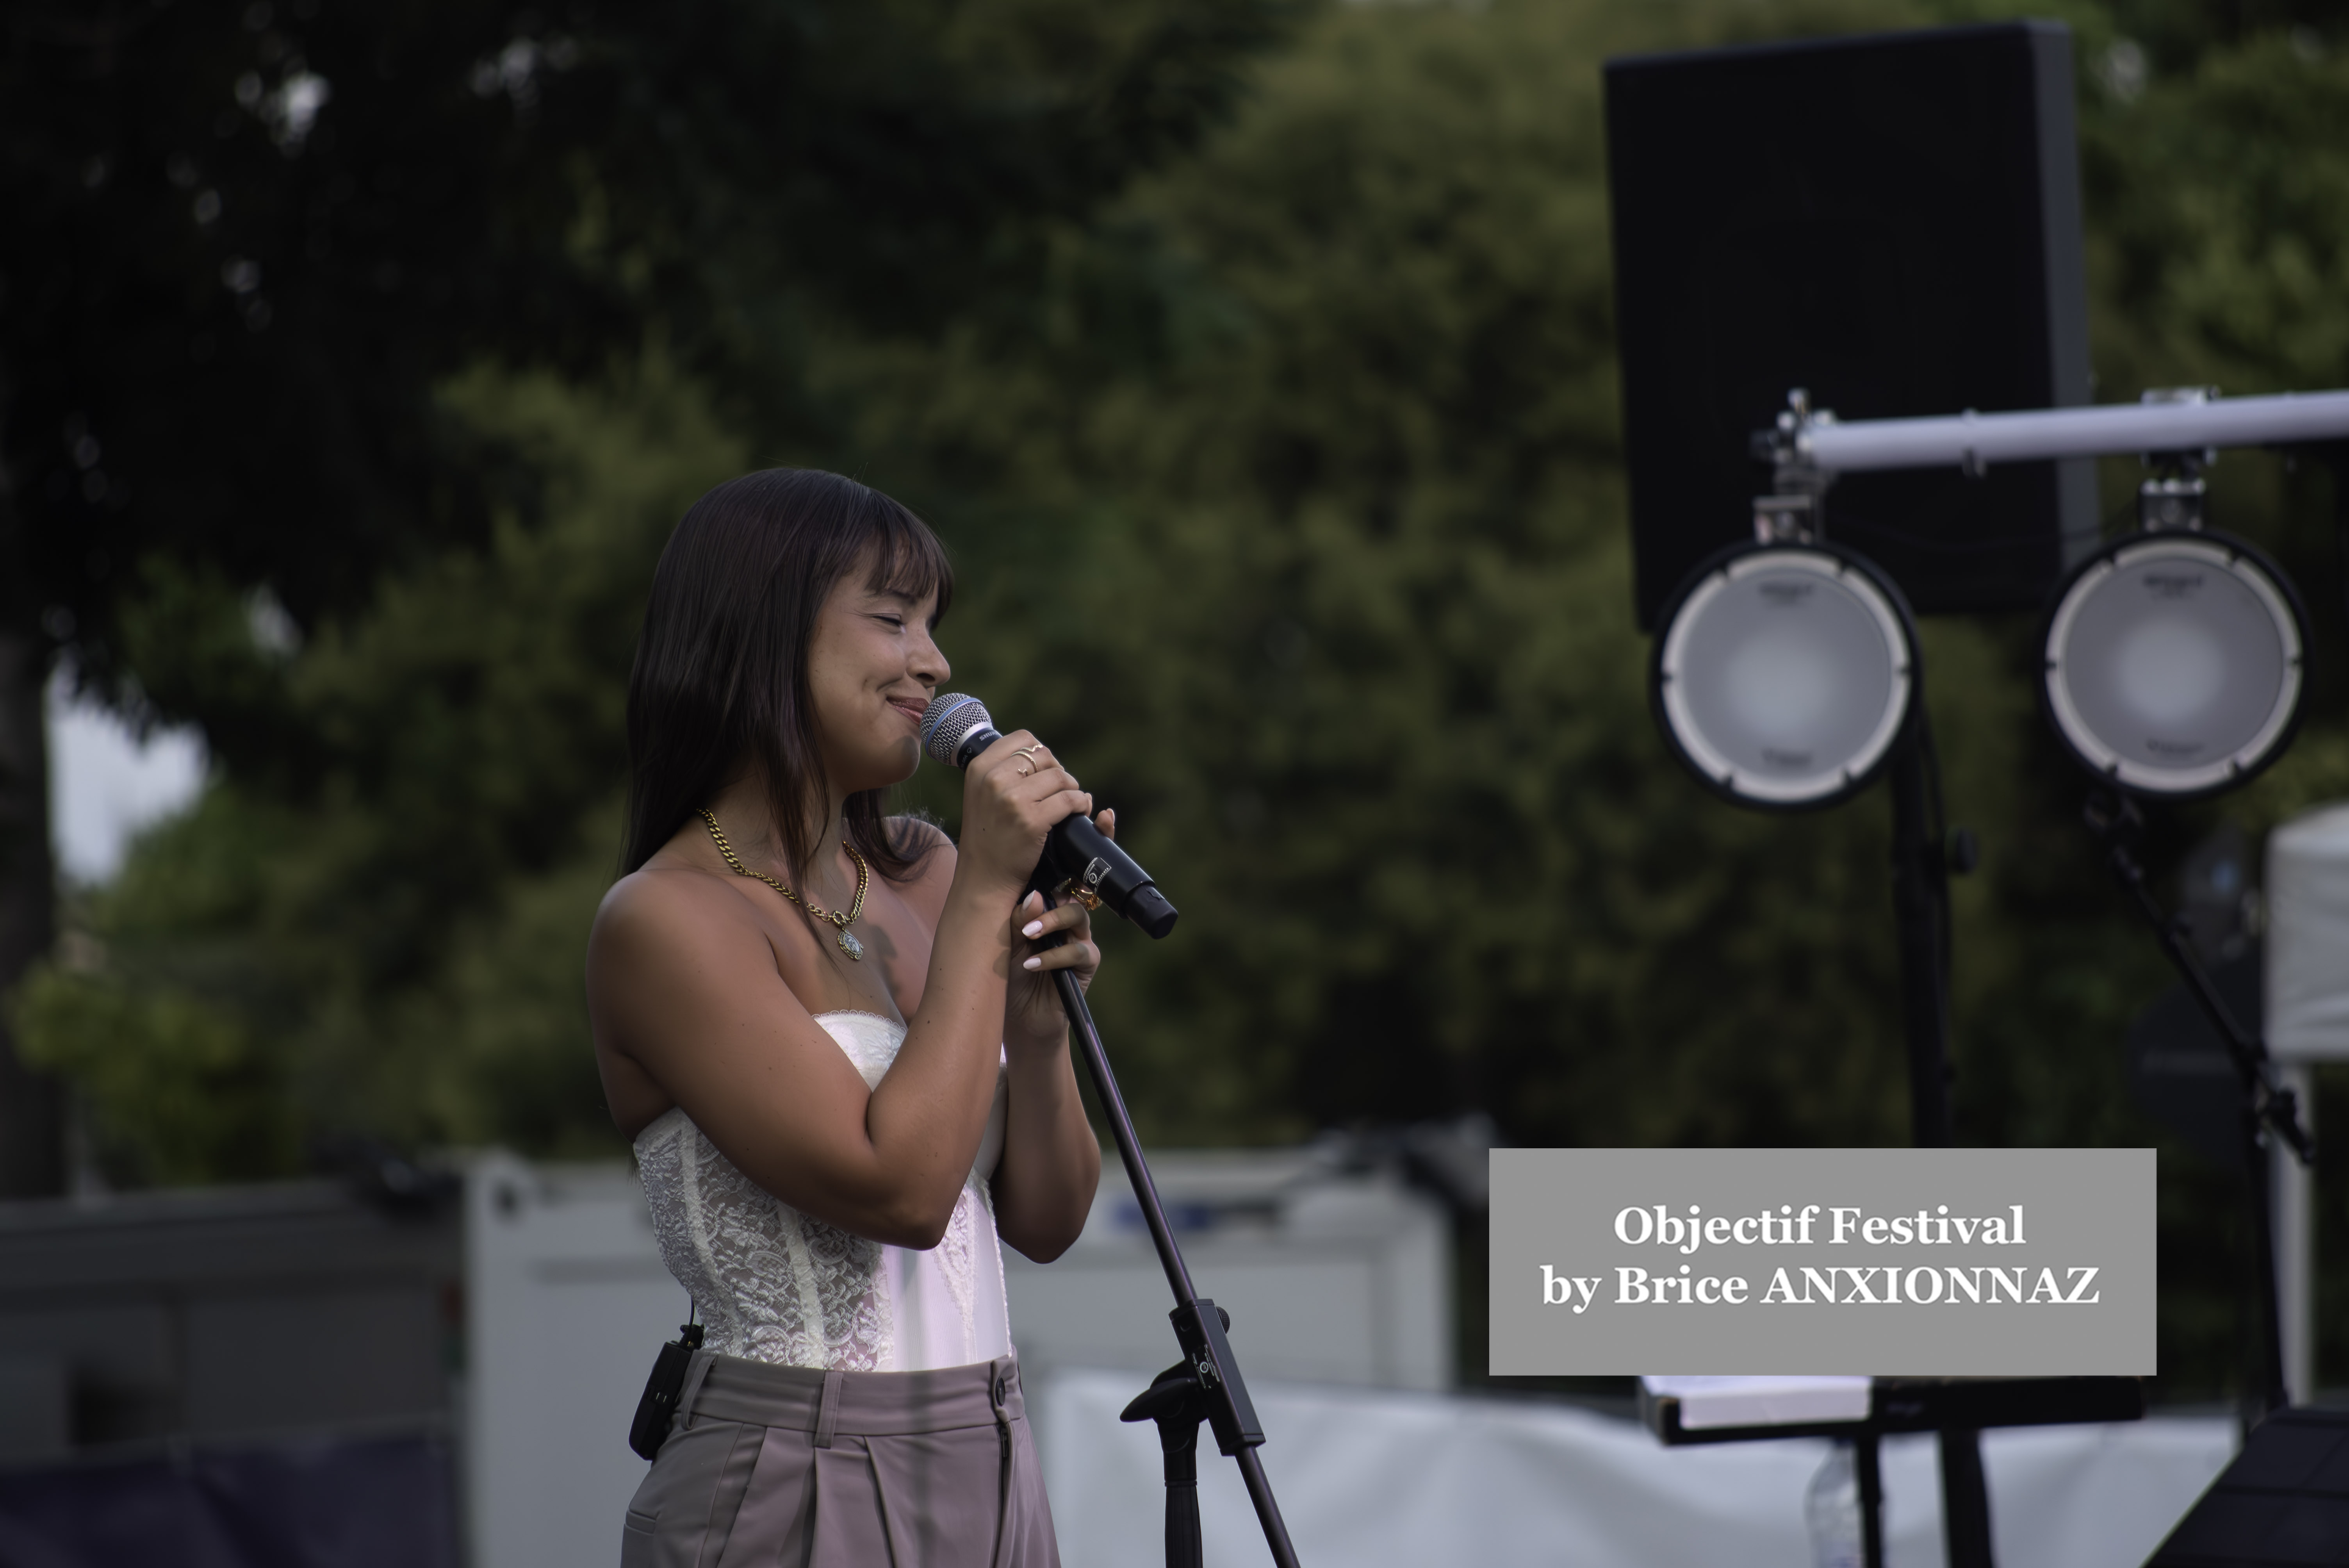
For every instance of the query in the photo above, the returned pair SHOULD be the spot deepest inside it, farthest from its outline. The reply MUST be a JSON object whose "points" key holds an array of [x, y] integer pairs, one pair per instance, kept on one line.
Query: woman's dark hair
{"points": [[720, 677]]}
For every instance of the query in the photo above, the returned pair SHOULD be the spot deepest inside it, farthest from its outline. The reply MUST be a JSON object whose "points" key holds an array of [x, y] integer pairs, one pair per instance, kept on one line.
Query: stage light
{"points": [[1784, 672], [2173, 662]]}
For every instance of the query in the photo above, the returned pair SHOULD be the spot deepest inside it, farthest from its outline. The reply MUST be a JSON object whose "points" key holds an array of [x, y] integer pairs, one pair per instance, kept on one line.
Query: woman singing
{"points": [[836, 1044]]}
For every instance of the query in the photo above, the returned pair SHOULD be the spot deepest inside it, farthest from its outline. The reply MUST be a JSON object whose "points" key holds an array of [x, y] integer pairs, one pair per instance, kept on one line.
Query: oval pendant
{"points": [[849, 946]]}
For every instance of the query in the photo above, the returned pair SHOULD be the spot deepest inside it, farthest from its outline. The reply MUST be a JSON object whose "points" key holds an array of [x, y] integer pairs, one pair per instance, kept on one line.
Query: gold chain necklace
{"points": [[848, 942]]}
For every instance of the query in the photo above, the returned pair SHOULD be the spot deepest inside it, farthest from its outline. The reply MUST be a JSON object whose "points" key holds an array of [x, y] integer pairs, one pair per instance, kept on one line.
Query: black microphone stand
{"points": [[1206, 1385]]}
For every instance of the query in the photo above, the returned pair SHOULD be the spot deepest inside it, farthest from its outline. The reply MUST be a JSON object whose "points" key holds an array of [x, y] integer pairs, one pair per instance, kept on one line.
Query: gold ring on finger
{"points": [[1026, 767]]}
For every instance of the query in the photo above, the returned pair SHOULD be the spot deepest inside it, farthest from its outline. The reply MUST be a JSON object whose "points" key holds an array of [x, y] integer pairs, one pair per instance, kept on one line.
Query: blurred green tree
{"points": [[1349, 616], [1286, 491], [395, 953], [248, 240]]}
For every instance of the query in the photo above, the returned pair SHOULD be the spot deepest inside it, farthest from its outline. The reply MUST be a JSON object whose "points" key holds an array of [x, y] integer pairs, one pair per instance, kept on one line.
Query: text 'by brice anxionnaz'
{"points": [[1910, 1281]]}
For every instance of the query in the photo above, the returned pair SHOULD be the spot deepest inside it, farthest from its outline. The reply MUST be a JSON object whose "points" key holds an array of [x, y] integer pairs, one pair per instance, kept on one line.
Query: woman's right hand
{"points": [[1013, 794]]}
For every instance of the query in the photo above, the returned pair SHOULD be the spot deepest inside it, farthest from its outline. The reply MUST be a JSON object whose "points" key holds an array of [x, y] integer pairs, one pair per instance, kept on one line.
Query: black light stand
{"points": [[1206, 1385], [1790, 520], [1870, 1476], [2267, 1107], [1922, 856], [1808, 449]]}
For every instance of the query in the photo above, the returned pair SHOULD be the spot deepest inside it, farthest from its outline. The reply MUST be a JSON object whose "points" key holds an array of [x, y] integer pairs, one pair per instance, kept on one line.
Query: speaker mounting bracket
{"points": [[2173, 502], [1787, 518], [2174, 497], [1794, 511]]}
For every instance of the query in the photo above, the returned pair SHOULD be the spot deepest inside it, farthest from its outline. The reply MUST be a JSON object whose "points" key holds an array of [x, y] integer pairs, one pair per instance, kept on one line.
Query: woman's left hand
{"points": [[1031, 1004]]}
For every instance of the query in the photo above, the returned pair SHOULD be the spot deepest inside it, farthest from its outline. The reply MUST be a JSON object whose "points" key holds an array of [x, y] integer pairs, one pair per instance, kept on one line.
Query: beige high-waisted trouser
{"points": [[786, 1467]]}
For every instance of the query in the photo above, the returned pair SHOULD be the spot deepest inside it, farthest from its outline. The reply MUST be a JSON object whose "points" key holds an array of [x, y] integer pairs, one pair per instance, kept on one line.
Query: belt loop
{"points": [[696, 1374], [827, 1410], [998, 1393]]}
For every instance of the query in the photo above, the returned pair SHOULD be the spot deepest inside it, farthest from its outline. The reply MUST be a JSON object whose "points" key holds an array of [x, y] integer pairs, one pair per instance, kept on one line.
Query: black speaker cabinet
{"points": [[1891, 222]]}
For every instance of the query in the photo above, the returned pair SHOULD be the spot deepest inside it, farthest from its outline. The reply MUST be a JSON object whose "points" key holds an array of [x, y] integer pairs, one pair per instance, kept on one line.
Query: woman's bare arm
{"points": [[1043, 1186], [1043, 1181], [686, 990]]}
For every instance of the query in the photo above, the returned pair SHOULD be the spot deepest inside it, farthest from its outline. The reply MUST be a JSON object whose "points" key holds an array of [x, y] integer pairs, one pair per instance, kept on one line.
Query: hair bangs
{"points": [[905, 557]]}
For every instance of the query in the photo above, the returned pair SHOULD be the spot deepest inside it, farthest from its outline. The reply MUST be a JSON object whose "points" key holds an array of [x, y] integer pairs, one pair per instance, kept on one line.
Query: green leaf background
{"points": [[1285, 495]]}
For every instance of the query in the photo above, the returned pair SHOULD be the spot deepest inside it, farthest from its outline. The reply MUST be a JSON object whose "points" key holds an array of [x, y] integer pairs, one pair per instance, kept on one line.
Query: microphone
{"points": [[1080, 860]]}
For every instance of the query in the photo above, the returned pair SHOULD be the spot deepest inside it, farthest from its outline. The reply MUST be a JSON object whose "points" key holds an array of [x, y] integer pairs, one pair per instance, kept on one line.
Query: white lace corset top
{"points": [[777, 1285]]}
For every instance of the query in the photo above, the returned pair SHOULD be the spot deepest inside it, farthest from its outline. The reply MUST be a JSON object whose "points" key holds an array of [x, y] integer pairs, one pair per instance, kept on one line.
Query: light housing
{"points": [[2173, 662], [1784, 672]]}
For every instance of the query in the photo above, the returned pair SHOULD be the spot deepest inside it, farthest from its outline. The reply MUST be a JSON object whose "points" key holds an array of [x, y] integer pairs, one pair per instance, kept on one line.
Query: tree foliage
{"points": [[250, 242], [399, 942], [1285, 485]]}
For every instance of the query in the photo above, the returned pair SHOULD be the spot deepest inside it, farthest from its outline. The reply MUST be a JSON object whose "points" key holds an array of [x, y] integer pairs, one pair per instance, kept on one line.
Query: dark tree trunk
{"points": [[32, 1143]]}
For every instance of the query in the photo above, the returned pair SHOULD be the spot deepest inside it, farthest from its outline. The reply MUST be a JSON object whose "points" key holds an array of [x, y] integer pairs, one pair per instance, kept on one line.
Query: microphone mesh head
{"points": [[949, 721]]}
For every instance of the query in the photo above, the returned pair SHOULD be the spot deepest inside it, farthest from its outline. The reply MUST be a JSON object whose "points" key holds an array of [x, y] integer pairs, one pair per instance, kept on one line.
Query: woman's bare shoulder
{"points": [[672, 956], [659, 910], [935, 867]]}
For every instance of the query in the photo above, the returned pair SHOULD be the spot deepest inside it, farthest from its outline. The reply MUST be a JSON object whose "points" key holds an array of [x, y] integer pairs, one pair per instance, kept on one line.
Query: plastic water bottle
{"points": [[1831, 1507]]}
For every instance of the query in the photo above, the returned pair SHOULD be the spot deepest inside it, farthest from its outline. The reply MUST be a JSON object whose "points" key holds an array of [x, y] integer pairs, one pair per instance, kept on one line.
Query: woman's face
{"points": [[872, 670]]}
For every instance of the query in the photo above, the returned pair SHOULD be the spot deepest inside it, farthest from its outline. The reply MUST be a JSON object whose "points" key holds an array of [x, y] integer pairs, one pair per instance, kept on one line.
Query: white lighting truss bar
{"points": [[1974, 440]]}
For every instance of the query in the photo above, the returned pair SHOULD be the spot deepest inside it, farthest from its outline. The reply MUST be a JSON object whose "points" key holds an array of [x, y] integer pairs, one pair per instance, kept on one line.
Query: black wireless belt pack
{"points": [[655, 1410]]}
